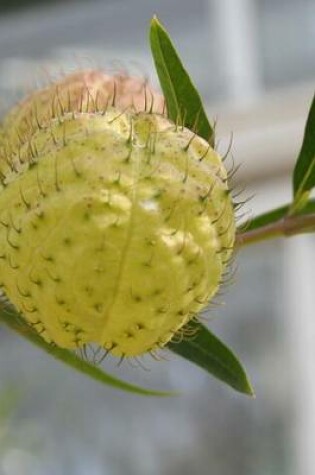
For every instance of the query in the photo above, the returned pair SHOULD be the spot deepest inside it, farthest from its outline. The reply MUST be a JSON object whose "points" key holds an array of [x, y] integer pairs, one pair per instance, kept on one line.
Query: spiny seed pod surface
{"points": [[81, 91], [116, 229]]}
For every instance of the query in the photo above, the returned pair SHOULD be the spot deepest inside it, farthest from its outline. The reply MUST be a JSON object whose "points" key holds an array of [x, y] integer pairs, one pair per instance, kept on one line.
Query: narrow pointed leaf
{"points": [[208, 352], [183, 101], [16, 323], [304, 172]]}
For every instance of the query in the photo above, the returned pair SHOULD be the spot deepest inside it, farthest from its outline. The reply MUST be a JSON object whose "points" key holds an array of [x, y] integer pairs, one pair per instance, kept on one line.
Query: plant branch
{"points": [[284, 227]]}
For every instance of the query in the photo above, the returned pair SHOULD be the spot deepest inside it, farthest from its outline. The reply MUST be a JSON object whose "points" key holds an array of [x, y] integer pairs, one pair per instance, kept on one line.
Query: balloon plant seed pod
{"points": [[116, 224]]}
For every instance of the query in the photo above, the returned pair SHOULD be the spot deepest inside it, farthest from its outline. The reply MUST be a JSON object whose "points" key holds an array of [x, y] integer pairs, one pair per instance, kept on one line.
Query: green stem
{"points": [[284, 227]]}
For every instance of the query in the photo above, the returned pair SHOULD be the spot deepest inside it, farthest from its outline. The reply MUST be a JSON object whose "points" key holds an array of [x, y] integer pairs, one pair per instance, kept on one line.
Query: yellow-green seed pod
{"points": [[115, 228], [81, 91]]}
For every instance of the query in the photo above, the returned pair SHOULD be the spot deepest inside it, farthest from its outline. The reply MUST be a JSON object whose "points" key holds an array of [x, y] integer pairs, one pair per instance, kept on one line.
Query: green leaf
{"points": [[304, 172], [183, 101], [11, 318], [277, 214], [208, 352]]}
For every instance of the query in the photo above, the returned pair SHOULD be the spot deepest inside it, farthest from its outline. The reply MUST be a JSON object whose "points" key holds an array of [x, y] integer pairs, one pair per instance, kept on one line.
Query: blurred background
{"points": [[253, 62]]}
